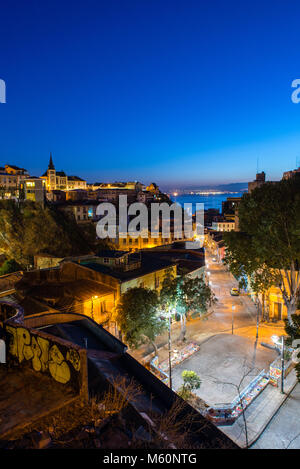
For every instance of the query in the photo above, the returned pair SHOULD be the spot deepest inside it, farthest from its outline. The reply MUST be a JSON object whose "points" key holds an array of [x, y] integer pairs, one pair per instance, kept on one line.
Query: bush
{"points": [[191, 380], [9, 266]]}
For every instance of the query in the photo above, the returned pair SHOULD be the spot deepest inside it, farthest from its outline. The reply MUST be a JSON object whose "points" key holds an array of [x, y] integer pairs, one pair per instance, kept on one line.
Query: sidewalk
{"points": [[260, 412]]}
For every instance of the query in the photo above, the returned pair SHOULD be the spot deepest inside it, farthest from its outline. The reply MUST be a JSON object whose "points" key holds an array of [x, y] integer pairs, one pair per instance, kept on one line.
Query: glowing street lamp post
{"points": [[170, 351], [92, 312]]}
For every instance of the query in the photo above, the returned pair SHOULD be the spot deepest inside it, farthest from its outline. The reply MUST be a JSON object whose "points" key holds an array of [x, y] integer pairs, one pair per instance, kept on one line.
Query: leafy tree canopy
{"points": [[138, 318], [28, 229], [267, 247], [191, 380], [9, 266], [185, 294]]}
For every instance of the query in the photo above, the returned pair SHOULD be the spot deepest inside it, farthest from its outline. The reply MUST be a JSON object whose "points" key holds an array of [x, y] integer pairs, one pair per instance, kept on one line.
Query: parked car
{"points": [[214, 259], [234, 292]]}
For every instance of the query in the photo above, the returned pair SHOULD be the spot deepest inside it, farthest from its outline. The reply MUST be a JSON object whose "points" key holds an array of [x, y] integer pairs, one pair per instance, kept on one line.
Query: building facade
{"points": [[11, 178], [34, 189], [58, 180], [259, 181], [84, 211], [225, 225], [289, 174]]}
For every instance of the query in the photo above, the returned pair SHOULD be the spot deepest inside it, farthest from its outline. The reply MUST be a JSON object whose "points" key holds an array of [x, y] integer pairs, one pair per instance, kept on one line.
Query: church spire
{"points": [[51, 165]]}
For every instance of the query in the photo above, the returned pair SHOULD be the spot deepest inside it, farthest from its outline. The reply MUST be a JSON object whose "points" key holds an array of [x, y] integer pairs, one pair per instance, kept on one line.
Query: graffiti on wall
{"points": [[44, 354]]}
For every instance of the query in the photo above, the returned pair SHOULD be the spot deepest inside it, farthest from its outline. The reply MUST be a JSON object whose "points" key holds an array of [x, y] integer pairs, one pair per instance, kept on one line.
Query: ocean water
{"points": [[209, 201]]}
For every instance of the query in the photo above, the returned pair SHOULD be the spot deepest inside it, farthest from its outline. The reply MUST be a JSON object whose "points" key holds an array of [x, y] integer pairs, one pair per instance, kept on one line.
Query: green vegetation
{"points": [[191, 382], [186, 296], [28, 229], [267, 248], [137, 317], [9, 266]]}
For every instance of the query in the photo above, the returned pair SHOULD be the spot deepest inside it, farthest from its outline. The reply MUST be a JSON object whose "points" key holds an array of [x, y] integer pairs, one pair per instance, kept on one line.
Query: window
{"points": [[106, 260]]}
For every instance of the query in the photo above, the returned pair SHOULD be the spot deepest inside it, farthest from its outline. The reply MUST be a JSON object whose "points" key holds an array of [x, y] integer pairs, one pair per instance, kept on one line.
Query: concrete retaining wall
{"points": [[65, 362]]}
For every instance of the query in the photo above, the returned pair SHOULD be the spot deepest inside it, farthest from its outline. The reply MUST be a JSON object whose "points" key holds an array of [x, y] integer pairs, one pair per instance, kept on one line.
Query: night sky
{"points": [[178, 92]]}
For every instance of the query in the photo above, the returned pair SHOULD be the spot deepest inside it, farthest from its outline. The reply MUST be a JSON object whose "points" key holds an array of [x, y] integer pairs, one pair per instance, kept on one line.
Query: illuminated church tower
{"points": [[51, 175]]}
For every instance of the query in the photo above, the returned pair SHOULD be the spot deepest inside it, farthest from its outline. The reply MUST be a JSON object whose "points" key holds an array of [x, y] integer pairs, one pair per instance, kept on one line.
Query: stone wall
{"points": [[64, 361]]}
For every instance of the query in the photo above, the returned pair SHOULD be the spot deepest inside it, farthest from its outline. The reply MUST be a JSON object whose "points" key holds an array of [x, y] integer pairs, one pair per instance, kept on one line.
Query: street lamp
{"points": [[168, 315], [280, 341], [208, 276], [232, 311], [257, 317], [170, 351]]}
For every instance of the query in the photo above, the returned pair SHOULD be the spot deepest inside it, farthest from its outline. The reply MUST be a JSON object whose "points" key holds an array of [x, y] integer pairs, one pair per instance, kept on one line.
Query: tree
{"points": [[28, 229], [191, 381], [267, 247], [9, 266], [247, 269], [137, 317], [185, 295]]}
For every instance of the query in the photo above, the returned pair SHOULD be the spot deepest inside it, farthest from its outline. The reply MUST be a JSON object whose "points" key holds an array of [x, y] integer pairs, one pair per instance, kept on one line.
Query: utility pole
{"points": [[92, 310], [170, 351], [282, 364], [257, 318]]}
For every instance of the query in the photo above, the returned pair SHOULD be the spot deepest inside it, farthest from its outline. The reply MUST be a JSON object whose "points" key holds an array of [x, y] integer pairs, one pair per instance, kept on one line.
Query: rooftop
{"points": [[15, 167], [148, 264], [75, 178], [79, 289], [187, 260], [112, 254], [75, 203]]}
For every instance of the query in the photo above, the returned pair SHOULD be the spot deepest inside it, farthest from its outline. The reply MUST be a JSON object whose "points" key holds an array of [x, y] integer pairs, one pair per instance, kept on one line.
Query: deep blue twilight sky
{"points": [[176, 91]]}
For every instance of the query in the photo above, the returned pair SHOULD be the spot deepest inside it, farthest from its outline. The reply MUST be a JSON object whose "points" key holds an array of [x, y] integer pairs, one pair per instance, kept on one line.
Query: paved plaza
{"points": [[221, 363]]}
